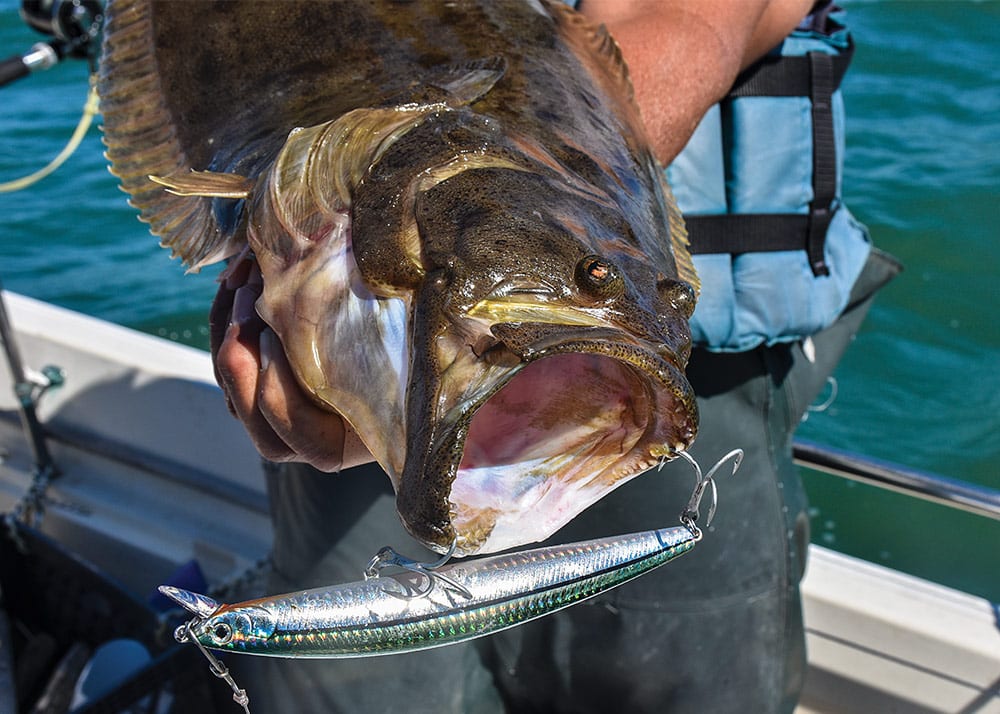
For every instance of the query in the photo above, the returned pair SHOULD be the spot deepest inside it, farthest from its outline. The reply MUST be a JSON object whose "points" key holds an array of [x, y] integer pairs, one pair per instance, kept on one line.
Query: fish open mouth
{"points": [[564, 431]]}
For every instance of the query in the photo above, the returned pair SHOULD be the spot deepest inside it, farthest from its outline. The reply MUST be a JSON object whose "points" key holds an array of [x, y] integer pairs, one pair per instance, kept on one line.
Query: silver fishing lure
{"points": [[431, 605]]}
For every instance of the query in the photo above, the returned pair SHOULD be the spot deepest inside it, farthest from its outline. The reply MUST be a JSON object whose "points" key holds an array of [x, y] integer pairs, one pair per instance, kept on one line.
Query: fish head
{"points": [[242, 628], [555, 368], [220, 626]]}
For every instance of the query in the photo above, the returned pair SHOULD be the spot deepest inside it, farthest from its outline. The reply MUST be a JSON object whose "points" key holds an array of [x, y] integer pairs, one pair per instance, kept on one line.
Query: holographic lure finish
{"points": [[426, 607]]}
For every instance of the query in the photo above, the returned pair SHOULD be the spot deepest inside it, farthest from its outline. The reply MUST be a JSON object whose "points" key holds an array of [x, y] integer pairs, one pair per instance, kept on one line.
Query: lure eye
{"points": [[222, 633], [599, 278]]}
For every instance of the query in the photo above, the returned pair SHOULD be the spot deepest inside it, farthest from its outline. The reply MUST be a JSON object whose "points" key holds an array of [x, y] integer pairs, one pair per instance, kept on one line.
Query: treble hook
{"points": [[689, 515], [387, 557]]}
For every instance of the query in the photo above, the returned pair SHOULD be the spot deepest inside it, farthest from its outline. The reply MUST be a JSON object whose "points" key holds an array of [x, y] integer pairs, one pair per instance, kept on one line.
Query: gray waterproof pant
{"points": [[719, 630]]}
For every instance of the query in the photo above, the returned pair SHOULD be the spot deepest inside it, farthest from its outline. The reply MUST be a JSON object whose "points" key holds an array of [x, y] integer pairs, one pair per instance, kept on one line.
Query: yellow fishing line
{"points": [[90, 108]]}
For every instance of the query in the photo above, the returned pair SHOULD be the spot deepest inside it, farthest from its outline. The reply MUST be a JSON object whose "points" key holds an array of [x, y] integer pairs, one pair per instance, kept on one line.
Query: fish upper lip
{"points": [[559, 318], [664, 352], [558, 337]]}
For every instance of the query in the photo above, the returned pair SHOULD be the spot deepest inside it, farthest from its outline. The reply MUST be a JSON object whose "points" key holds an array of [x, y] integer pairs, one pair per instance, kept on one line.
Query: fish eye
{"points": [[679, 294], [599, 278], [222, 633]]}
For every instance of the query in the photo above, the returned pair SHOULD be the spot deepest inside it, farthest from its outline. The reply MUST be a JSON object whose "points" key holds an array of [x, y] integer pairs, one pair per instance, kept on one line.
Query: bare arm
{"points": [[684, 55]]}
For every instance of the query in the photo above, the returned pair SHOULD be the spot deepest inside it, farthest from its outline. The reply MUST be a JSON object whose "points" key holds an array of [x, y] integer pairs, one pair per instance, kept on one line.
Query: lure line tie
{"points": [[183, 635]]}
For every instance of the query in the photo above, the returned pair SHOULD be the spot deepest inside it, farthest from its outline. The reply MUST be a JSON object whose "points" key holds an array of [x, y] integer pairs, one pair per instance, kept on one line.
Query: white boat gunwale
{"points": [[878, 639]]}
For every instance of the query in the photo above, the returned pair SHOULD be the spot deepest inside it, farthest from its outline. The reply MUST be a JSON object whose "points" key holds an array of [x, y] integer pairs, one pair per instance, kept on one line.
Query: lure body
{"points": [[410, 611]]}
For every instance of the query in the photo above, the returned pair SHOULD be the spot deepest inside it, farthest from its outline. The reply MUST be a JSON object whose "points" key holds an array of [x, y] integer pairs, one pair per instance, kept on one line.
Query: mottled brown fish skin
{"points": [[488, 171]]}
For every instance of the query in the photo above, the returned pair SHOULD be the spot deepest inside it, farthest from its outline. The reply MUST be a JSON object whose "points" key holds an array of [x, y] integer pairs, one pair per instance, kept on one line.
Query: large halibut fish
{"points": [[468, 250]]}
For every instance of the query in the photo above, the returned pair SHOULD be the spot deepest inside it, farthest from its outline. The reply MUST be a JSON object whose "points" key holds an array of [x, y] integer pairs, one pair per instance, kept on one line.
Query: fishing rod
{"points": [[73, 25]]}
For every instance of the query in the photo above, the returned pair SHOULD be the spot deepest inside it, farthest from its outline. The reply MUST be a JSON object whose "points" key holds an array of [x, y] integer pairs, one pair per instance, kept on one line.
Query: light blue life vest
{"points": [[759, 185]]}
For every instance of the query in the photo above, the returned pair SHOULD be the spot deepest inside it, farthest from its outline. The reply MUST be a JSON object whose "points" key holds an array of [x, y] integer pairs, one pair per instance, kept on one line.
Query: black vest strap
{"points": [[747, 232], [816, 75], [782, 76]]}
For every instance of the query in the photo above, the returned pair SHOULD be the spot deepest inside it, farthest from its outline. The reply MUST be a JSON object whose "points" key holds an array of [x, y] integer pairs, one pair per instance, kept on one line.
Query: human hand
{"points": [[260, 387]]}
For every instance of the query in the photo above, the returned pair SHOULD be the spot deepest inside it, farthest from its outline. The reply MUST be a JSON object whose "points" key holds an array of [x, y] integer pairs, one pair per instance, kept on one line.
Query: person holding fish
{"points": [[463, 264]]}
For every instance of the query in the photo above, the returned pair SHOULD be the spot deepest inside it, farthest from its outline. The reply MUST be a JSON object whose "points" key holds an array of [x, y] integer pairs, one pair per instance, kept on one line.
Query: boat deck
{"points": [[155, 472]]}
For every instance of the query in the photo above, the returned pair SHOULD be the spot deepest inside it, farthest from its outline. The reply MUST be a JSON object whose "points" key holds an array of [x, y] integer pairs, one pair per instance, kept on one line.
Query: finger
{"points": [[245, 300], [219, 317], [317, 436], [243, 316], [238, 369], [221, 313]]}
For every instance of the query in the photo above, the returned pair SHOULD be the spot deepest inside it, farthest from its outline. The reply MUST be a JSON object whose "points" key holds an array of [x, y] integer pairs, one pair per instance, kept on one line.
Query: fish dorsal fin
{"points": [[467, 82], [581, 32], [141, 140], [208, 184], [679, 243]]}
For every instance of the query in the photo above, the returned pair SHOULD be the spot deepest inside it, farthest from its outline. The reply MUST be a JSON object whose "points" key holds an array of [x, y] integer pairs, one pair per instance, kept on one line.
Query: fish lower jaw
{"points": [[487, 521], [439, 539]]}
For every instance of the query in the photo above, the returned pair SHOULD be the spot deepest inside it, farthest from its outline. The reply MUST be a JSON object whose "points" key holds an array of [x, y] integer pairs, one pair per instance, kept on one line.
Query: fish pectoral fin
{"points": [[469, 81], [210, 184]]}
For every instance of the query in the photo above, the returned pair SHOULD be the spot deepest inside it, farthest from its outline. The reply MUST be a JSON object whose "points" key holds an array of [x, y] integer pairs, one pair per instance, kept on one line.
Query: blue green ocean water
{"points": [[920, 386]]}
